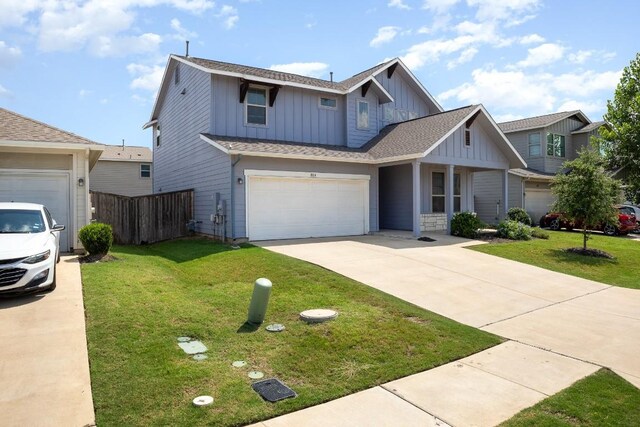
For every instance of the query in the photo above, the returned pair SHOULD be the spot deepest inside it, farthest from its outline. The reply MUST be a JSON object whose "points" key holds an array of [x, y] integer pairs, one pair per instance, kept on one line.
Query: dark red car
{"points": [[626, 223]]}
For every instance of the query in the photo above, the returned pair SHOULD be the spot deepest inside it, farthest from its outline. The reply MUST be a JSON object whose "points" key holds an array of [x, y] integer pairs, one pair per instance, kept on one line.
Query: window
{"points": [[534, 144], [176, 75], [467, 137], [389, 114], [457, 195], [437, 192], [402, 115], [256, 106], [158, 135], [145, 171], [363, 115], [413, 115], [328, 103], [555, 145]]}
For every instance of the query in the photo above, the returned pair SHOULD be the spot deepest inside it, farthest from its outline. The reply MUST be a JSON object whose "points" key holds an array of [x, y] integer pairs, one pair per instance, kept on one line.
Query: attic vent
{"points": [[467, 137]]}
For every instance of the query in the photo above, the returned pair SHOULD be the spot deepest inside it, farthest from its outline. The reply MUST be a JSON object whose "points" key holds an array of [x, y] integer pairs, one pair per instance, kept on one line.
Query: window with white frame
{"points": [[256, 106], [457, 194], [362, 119], [145, 171], [534, 144], [555, 145], [330, 103], [437, 192], [395, 115]]}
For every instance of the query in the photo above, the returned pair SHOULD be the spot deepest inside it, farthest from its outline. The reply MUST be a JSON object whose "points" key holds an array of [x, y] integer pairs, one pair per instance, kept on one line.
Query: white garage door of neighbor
{"points": [[288, 208], [49, 189], [538, 203]]}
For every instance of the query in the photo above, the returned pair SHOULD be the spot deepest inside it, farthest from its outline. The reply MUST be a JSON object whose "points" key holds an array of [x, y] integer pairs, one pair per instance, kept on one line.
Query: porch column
{"points": [[449, 197], [416, 198], [505, 192]]}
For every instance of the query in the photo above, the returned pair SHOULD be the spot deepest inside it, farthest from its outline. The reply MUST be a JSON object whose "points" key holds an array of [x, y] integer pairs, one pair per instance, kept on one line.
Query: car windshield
{"points": [[626, 210], [21, 221]]}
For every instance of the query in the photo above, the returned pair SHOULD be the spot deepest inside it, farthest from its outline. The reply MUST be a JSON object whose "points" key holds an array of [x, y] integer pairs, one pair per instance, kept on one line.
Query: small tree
{"points": [[586, 194]]}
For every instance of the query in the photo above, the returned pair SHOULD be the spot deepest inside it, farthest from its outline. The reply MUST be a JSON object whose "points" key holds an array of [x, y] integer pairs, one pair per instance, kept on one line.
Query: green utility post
{"points": [[259, 301]]}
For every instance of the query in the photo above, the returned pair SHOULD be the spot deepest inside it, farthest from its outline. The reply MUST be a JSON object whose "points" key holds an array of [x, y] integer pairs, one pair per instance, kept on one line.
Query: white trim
{"points": [[87, 184], [149, 124], [387, 96], [358, 102], [312, 175], [74, 201], [215, 144], [326, 107], [266, 107], [420, 86], [56, 145]]}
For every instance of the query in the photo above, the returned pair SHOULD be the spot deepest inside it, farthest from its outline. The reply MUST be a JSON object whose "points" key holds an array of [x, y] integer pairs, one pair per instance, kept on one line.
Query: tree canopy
{"points": [[621, 138]]}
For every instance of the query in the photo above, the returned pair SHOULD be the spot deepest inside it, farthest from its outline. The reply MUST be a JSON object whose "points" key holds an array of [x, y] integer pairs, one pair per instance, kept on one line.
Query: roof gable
{"points": [[541, 121], [126, 153]]}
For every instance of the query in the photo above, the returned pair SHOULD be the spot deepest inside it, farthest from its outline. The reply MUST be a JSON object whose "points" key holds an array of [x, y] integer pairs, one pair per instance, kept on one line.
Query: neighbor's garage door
{"points": [[296, 207], [50, 189], [538, 203]]}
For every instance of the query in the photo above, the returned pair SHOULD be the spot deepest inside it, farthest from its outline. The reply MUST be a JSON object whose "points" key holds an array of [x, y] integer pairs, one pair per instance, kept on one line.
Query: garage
{"points": [[288, 205], [47, 188], [538, 203]]}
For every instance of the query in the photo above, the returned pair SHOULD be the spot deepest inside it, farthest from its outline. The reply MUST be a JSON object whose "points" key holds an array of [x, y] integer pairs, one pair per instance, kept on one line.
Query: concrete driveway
{"points": [[44, 368], [575, 317]]}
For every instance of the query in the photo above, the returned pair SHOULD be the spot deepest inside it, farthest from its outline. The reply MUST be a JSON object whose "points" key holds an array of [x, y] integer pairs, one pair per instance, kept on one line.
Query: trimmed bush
{"points": [[96, 238], [520, 215], [539, 233], [465, 224], [514, 230]]}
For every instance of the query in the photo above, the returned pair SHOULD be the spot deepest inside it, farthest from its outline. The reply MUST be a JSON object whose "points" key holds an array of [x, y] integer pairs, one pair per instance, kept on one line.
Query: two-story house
{"points": [[124, 170], [273, 155], [545, 142]]}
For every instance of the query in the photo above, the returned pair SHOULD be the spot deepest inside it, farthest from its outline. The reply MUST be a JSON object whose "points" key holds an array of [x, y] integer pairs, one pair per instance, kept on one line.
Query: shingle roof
{"points": [[126, 153], [590, 127], [407, 139], [537, 122], [532, 174], [15, 127], [282, 76]]}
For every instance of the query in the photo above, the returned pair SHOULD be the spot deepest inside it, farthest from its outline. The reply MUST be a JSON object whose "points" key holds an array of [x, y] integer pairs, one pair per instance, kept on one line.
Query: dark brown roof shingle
{"points": [[126, 153], [536, 122], [590, 127]]}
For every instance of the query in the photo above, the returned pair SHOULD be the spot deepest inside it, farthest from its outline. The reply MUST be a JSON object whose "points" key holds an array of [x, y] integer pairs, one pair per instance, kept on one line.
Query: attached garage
{"points": [[287, 205], [538, 202]]}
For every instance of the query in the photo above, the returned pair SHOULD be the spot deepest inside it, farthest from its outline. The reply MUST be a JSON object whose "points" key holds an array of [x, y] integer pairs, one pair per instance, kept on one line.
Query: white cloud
{"points": [[531, 39], [181, 33], [580, 57], [587, 107], [587, 82], [13, 12], [146, 77], [9, 55], [466, 56], [121, 46], [504, 10], [430, 51], [229, 15], [440, 22], [439, 6], [384, 35], [311, 69], [5, 93], [83, 93], [400, 4], [542, 55]]}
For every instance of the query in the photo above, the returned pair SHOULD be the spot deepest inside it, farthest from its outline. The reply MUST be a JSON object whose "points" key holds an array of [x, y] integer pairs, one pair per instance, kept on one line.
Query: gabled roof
{"points": [[412, 139], [126, 154], [590, 127], [541, 121], [532, 174]]}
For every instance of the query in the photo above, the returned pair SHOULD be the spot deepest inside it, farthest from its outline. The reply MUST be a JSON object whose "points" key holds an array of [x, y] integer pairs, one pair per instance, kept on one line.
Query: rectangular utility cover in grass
{"points": [[272, 390], [193, 347]]}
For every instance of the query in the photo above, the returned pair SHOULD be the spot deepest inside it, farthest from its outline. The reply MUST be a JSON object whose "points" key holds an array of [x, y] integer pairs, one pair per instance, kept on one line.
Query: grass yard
{"points": [[139, 304], [622, 271], [601, 399]]}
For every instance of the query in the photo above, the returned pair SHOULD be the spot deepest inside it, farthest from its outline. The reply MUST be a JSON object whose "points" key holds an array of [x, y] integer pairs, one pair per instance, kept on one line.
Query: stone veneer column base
{"points": [[433, 222]]}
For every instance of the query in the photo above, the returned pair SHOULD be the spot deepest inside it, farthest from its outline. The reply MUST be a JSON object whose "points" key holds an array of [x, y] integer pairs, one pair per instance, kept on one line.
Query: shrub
{"points": [[520, 215], [514, 230], [465, 224], [96, 238], [539, 233]]}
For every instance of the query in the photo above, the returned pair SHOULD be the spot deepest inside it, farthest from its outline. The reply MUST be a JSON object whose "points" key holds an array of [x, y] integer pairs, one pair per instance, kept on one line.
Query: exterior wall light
{"points": [[240, 181], [80, 182]]}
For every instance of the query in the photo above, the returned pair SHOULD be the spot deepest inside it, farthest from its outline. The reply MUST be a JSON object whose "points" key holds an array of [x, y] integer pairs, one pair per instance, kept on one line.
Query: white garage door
{"points": [[48, 188], [538, 203], [296, 207]]}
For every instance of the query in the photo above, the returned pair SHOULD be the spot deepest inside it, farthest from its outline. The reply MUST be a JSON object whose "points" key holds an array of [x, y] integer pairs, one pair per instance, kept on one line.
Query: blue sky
{"points": [[93, 66]]}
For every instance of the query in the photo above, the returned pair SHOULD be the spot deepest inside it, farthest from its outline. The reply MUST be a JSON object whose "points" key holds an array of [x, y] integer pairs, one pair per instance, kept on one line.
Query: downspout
{"points": [[232, 207]]}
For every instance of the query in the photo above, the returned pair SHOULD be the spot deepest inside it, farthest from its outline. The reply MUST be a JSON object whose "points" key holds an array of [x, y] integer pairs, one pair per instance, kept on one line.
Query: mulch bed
{"points": [[597, 253], [96, 258]]}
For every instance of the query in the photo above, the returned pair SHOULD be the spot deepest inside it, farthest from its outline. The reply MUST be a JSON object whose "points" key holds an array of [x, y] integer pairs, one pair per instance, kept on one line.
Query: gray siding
{"points": [[120, 178], [404, 95], [295, 116], [358, 137], [563, 127], [274, 164], [183, 160], [487, 188], [396, 197], [520, 141]]}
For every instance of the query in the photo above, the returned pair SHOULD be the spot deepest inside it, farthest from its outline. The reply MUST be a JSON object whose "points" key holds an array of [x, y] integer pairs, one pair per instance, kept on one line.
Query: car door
{"points": [[51, 222]]}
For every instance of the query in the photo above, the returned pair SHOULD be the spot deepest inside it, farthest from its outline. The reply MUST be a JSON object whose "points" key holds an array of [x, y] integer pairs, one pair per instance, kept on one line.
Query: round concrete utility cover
{"points": [[200, 357], [203, 400], [276, 327], [239, 364], [318, 315], [184, 339], [255, 375]]}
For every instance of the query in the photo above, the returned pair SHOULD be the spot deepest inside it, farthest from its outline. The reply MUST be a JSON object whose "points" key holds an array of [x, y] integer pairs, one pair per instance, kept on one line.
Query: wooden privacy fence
{"points": [[144, 219]]}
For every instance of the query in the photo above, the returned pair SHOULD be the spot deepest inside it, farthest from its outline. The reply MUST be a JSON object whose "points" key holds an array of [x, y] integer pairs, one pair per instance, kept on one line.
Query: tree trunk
{"points": [[584, 237]]}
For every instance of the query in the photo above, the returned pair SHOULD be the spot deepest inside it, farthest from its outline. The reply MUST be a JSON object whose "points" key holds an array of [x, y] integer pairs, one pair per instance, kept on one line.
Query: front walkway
{"points": [[565, 327], [44, 368]]}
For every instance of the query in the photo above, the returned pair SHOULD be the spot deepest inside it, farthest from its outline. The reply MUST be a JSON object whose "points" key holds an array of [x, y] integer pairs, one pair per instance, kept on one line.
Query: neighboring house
{"points": [[273, 155], [545, 143], [42, 164], [123, 170]]}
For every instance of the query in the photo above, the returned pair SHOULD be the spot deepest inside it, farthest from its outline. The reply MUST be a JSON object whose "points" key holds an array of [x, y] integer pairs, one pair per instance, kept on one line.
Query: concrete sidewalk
{"points": [[44, 366]]}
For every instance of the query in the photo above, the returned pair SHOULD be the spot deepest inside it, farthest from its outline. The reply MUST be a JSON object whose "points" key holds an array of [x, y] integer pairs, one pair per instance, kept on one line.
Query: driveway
{"points": [[567, 315], [44, 367]]}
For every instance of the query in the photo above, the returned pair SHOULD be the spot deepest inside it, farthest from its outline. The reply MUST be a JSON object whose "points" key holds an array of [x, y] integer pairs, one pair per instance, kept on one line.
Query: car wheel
{"points": [[555, 224], [609, 230]]}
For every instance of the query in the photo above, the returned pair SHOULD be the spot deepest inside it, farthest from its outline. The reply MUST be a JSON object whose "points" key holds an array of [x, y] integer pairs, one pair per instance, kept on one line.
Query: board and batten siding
{"points": [[487, 187], [358, 137], [183, 160], [405, 97], [564, 127], [123, 178], [520, 141], [295, 116], [291, 165]]}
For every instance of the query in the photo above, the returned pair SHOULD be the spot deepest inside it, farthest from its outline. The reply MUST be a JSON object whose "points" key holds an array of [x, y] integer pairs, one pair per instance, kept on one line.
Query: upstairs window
{"points": [[555, 145], [534, 144], [256, 106], [145, 171], [467, 137], [330, 103], [362, 119]]}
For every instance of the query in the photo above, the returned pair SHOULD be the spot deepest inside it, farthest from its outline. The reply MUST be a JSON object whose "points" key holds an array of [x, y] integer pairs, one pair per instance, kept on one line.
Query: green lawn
{"points": [[601, 399], [139, 304], [623, 271]]}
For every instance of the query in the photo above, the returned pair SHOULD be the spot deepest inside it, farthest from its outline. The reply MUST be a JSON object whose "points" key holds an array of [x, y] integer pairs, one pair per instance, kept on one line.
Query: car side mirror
{"points": [[58, 227]]}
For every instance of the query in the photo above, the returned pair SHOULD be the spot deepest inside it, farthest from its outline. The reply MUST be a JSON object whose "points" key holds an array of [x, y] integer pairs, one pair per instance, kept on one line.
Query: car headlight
{"points": [[34, 259]]}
